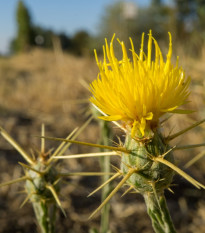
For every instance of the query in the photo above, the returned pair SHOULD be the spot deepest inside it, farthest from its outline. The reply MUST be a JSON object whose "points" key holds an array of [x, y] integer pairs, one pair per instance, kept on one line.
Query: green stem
{"points": [[105, 167], [45, 215], [159, 213]]}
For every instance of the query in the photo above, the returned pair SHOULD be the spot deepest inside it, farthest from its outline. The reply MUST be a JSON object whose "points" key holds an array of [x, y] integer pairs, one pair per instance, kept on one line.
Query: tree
{"points": [[23, 40], [42, 37], [80, 43], [117, 19], [126, 19]]}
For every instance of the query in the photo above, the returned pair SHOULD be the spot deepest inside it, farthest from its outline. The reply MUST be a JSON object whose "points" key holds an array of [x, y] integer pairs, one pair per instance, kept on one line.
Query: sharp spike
{"points": [[127, 165], [16, 146], [32, 154], [171, 190], [82, 127], [169, 138], [188, 146], [88, 155], [89, 144], [26, 199], [74, 134], [84, 84], [144, 166], [166, 119], [195, 159], [180, 172], [30, 168], [56, 181], [61, 145], [21, 191], [51, 188], [134, 192], [116, 169], [106, 182], [126, 177], [84, 174], [167, 152], [43, 139], [127, 191], [14, 181]]}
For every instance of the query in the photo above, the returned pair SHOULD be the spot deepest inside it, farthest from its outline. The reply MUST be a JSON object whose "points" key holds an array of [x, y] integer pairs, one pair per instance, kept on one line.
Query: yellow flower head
{"points": [[141, 90]]}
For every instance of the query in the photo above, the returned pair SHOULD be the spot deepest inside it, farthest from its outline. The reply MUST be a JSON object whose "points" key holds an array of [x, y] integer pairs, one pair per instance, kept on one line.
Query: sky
{"points": [[67, 16]]}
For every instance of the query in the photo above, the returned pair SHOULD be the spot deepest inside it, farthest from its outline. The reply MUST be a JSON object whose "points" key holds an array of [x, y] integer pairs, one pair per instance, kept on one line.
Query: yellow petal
{"points": [[111, 118], [149, 116], [140, 89], [142, 126]]}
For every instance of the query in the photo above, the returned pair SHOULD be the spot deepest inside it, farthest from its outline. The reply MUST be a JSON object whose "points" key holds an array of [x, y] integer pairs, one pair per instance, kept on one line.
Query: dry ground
{"points": [[50, 87]]}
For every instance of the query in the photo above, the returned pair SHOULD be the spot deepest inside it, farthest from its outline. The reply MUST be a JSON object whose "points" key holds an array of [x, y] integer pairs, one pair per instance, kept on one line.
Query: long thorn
{"points": [[168, 152], [14, 181], [83, 174], [30, 168], [116, 168], [86, 155], [32, 154], [83, 127], [90, 144], [74, 134], [126, 177], [50, 187], [127, 191], [166, 119], [61, 149], [26, 199], [61, 145], [106, 182], [16, 146], [43, 139], [169, 138], [182, 173], [188, 146], [195, 159], [171, 191]]}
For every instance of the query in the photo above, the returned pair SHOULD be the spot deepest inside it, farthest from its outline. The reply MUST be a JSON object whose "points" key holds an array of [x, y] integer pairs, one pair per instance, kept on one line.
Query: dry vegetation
{"points": [[49, 87]]}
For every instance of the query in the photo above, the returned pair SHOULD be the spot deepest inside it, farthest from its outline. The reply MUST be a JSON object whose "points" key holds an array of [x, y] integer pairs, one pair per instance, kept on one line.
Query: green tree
{"points": [[42, 37], [127, 19], [23, 40], [190, 24], [119, 18], [81, 43]]}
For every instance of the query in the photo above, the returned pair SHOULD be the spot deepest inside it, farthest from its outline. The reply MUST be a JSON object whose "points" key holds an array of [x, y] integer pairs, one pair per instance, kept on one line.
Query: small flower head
{"points": [[140, 90]]}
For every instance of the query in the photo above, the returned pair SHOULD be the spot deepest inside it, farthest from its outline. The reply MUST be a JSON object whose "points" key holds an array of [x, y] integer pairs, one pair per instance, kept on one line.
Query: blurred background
{"points": [[46, 64]]}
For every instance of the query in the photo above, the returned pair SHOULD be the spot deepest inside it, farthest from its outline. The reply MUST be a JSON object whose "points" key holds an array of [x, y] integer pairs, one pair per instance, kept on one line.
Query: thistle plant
{"points": [[43, 180], [135, 93], [138, 92]]}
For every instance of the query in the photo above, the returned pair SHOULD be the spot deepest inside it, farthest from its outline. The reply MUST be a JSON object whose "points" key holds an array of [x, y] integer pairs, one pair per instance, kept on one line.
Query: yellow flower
{"points": [[141, 90]]}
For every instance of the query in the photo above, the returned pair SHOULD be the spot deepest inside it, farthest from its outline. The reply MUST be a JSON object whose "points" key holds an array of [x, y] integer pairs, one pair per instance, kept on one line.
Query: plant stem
{"points": [[105, 167], [159, 213], [45, 215]]}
